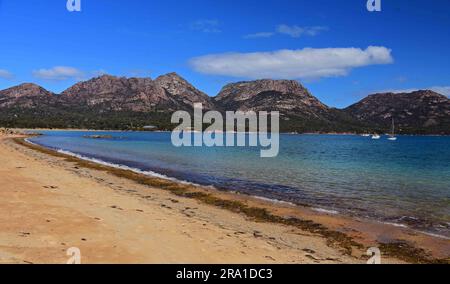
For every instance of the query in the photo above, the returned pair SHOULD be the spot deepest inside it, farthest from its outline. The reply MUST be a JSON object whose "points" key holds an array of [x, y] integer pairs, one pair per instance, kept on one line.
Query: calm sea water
{"points": [[406, 182]]}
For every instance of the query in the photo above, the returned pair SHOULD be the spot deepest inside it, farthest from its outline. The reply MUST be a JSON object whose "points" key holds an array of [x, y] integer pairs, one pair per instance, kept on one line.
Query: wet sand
{"points": [[49, 204]]}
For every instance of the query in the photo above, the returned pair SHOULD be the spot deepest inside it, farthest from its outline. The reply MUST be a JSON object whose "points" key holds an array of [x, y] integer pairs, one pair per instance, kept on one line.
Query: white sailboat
{"points": [[376, 137], [392, 136]]}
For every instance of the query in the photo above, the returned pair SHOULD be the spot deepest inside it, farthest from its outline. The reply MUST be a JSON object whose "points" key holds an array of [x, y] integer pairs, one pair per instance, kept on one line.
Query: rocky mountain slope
{"points": [[26, 96], [182, 91], [109, 102], [417, 112], [108, 93], [276, 95], [299, 110], [105, 102]]}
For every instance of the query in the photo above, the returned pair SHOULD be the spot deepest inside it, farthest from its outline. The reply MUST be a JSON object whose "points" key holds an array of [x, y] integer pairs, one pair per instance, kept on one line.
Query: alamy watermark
{"points": [[238, 129], [75, 255], [73, 5], [374, 5], [375, 256]]}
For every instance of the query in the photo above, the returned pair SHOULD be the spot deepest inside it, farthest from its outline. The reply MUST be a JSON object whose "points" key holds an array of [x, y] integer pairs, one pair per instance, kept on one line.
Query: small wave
{"points": [[396, 225], [28, 141], [124, 167], [419, 231], [273, 200], [117, 166], [435, 235], [321, 210]]}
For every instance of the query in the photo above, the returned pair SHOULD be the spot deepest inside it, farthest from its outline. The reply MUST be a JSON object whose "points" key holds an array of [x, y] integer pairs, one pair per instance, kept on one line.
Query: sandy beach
{"points": [[49, 204]]}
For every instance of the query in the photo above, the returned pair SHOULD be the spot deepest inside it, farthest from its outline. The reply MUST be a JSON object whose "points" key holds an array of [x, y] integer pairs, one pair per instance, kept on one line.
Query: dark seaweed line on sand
{"points": [[401, 249]]}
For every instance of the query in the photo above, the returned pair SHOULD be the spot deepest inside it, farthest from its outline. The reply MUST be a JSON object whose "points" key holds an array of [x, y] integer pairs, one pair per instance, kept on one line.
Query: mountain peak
{"points": [[423, 110], [182, 90], [172, 78], [422, 95], [108, 92], [107, 77], [171, 74], [269, 81], [25, 90], [98, 85], [266, 94], [428, 93], [27, 96], [28, 85], [245, 90], [424, 92]]}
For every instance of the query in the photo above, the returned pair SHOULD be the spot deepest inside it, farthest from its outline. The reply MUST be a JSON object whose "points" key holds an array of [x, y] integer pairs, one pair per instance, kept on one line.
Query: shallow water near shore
{"points": [[406, 182]]}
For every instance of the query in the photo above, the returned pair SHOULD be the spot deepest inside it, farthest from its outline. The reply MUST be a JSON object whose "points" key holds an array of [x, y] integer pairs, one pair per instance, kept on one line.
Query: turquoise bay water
{"points": [[405, 182]]}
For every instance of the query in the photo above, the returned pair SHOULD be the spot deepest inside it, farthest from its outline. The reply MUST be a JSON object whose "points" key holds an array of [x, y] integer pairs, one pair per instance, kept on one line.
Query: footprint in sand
{"points": [[270, 258], [50, 187], [115, 207], [257, 234], [310, 251]]}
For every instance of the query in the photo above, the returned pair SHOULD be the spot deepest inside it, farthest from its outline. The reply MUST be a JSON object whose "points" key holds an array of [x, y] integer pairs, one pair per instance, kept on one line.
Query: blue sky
{"points": [[337, 49]]}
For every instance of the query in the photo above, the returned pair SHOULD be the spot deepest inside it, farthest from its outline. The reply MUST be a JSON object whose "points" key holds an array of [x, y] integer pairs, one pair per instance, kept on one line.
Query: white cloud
{"points": [[292, 64], [59, 73], [206, 26], [292, 31], [443, 90], [260, 35], [296, 31], [5, 74]]}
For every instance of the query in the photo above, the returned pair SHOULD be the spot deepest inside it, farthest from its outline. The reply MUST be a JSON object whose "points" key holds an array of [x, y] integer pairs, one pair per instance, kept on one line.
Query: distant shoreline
{"points": [[167, 131]]}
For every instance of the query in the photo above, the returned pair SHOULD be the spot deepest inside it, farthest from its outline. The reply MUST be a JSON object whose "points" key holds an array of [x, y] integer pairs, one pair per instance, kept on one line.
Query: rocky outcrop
{"points": [[299, 110], [26, 96], [110, 93], [422, 111], [182, 91], [288, 97], [167, 93]]}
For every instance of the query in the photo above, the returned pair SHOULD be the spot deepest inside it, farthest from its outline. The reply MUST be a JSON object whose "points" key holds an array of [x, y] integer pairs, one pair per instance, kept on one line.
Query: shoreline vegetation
{"points": [[351, 238], [34, 131]]}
